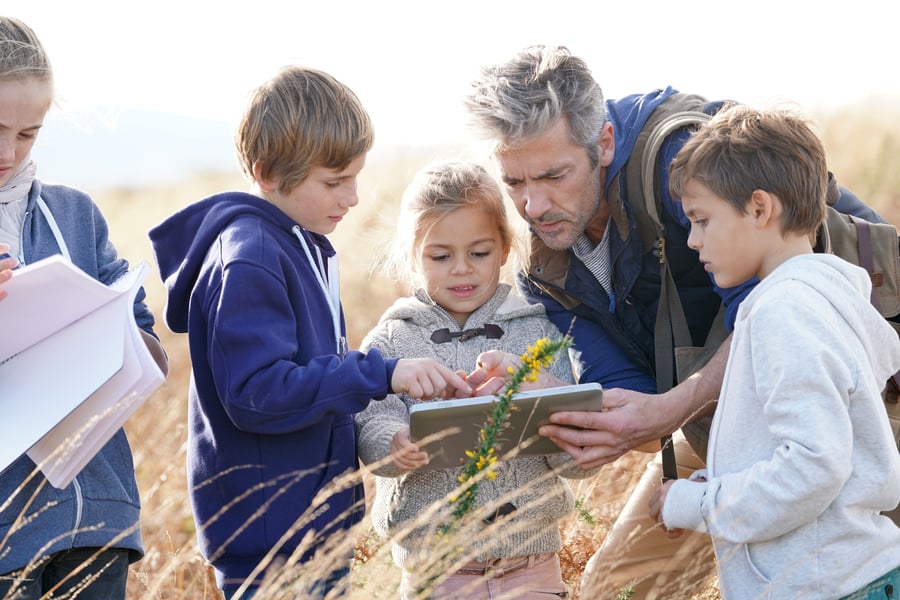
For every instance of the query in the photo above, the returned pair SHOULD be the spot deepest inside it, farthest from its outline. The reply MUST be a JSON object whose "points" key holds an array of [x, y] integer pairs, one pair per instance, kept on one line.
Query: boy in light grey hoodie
{"points": [[801, 458]]}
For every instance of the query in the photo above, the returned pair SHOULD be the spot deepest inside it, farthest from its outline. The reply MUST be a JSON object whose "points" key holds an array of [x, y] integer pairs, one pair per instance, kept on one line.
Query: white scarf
{"points": [[13, 201]]}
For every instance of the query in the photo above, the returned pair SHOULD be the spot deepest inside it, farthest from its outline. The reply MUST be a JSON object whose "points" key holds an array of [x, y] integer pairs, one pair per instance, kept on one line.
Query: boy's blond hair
{"points": [[743, 149], [300, 119]]}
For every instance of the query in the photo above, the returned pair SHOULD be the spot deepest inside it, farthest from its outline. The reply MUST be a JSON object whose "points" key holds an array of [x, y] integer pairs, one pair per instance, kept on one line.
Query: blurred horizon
{"points": [[129, 148], [101, 149]]}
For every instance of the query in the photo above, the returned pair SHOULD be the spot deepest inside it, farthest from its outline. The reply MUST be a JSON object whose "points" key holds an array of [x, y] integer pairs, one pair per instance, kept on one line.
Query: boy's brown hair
{"points": [[300, 119], [743, 149]]}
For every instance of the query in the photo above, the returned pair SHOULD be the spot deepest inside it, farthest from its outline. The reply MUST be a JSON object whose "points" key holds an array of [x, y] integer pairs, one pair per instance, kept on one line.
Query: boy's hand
{"points": [[425, 378], [656, 507], [7, 264], [406, 455]]}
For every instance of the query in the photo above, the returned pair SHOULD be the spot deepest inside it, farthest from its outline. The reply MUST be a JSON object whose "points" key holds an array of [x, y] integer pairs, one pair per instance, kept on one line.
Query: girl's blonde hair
{"points": [[435, 191], [21, 52]]}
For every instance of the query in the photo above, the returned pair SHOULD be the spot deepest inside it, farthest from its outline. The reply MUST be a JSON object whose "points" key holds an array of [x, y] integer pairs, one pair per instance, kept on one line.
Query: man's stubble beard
{"points": [[574, 225]]}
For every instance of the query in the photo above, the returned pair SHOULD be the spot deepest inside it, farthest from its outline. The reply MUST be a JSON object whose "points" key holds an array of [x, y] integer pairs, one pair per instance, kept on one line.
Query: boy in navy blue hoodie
{"points": [[253, 281]]}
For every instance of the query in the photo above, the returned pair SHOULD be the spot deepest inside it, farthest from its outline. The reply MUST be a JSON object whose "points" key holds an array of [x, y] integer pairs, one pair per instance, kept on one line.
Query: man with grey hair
{"points": [[564, 154]]}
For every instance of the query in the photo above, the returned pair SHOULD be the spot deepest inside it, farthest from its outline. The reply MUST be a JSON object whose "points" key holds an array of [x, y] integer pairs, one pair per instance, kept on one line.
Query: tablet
{"points": [[459, 421]]}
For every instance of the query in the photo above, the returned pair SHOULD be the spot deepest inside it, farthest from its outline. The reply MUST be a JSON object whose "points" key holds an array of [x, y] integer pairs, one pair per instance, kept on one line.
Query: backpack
{"points": [[873, 246]]}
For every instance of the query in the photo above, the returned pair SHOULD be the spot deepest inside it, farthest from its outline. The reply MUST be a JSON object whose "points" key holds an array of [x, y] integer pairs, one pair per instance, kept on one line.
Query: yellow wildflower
{"points": [[538, 356]]}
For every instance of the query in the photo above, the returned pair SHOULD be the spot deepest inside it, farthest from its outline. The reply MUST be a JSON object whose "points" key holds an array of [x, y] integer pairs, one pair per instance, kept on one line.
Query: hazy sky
{"points": [[411, 62]]}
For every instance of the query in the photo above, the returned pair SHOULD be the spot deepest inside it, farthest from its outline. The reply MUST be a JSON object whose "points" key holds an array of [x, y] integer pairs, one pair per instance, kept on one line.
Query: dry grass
{"points": [[172, 567], [862, 144]]}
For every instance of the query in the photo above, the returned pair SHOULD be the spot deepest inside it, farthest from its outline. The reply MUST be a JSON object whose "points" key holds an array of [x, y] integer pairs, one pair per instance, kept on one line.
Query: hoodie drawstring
{"points": [[331, 289]]}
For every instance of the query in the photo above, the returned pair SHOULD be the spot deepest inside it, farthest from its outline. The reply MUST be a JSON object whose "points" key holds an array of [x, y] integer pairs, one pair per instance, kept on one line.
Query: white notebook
{"points": [[73, 365]]}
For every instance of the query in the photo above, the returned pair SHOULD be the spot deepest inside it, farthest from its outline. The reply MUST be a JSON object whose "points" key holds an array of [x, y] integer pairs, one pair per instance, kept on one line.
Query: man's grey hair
{"points": [[523, 97]]}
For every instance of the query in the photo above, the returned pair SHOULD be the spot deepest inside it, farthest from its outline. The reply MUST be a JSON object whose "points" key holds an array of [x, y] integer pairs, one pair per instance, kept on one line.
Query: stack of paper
{"points": [[73, 365]]}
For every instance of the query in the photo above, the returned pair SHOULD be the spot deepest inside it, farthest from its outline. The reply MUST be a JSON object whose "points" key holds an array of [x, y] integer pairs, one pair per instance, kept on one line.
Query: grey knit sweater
{"points": [[532, 484]]}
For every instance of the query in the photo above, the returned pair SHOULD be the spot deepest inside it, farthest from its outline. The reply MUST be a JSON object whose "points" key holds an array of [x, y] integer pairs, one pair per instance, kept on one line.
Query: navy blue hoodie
{"points": [[270, 401]]}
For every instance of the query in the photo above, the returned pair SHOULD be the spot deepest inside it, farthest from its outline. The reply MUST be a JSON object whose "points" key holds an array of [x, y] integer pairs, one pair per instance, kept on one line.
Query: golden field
{"points": [[863, 144]]}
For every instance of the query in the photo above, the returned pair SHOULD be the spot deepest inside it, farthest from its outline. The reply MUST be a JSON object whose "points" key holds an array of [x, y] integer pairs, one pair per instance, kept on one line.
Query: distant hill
{"points": [[130, 148]]}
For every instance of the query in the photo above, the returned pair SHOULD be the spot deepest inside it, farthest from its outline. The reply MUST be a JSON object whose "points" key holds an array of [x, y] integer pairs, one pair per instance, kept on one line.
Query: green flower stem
{"points": [[482, 458]]}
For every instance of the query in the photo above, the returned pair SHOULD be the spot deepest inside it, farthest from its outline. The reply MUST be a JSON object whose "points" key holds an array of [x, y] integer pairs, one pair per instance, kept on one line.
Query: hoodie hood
{"points": [[628, 115], [847, 287], [181, 242]]}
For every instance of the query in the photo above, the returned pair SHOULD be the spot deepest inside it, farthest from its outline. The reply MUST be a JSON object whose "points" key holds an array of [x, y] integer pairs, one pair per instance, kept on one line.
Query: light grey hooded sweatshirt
{"points": [[801, 456]]}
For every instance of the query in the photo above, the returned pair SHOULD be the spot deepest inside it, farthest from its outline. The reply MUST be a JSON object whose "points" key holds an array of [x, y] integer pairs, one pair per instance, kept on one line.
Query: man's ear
{"points": [[606, 145], [265, 184], [764, 207]]}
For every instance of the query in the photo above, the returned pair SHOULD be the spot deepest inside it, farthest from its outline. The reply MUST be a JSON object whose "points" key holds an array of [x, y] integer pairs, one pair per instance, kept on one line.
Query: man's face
{"points": [[552, 183]]}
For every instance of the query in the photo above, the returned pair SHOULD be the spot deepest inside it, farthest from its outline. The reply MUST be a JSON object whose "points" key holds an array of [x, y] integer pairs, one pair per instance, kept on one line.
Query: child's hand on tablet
{"points": [[406, 455]]}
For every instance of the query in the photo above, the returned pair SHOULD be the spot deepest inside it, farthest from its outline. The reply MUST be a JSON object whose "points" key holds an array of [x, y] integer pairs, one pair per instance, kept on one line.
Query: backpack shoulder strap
{"points": [[643, 197], [641, 171], [649, 173]]}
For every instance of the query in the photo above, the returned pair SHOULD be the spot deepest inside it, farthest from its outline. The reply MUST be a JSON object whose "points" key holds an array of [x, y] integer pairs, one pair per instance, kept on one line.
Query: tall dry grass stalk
{"points": [[863, 146]]}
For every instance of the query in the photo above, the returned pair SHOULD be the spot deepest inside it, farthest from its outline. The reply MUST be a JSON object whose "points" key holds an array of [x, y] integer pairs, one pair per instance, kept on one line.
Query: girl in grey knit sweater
{"points": [[452, 240]]}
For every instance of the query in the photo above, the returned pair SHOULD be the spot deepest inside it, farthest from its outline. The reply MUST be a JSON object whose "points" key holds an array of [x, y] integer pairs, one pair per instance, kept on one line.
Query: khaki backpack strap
{"points": [[671, 325], [867, 261], [641, 184], [671, 332], [867, 256], [659, 134], [671, 329]]}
